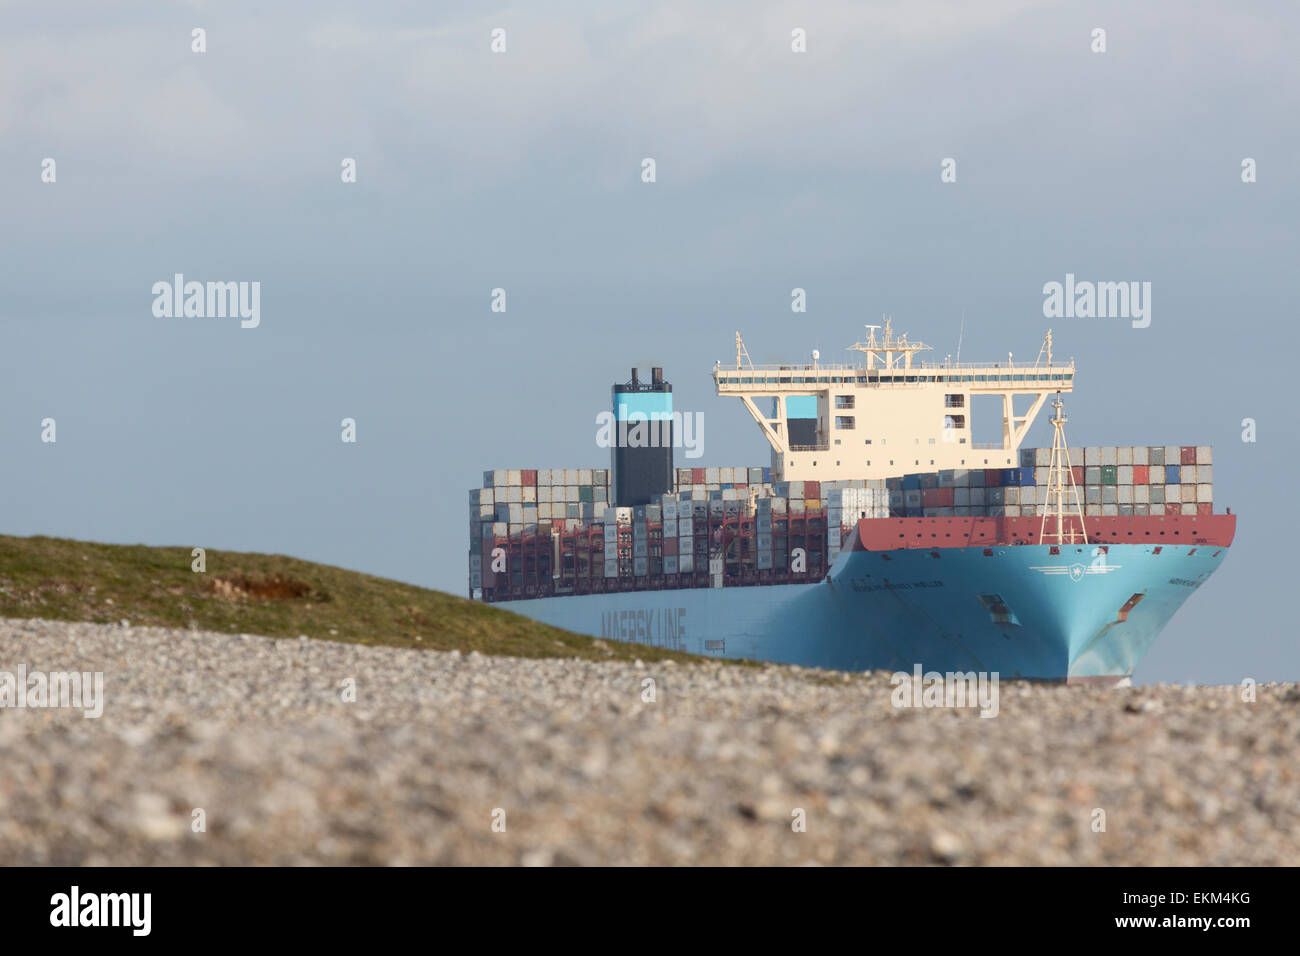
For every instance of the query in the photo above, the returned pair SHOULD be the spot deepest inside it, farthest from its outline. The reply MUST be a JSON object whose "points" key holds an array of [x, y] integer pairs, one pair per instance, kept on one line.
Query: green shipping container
{"points": [[585, 494], [1109, 474]]}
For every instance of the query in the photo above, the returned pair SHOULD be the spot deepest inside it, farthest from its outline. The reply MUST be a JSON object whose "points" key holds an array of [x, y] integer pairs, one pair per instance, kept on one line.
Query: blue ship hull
{"points": [[1085, 614]]}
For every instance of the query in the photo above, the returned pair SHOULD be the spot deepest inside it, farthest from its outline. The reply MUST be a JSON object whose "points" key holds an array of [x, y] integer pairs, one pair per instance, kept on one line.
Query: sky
{"points": [[522, 171]]}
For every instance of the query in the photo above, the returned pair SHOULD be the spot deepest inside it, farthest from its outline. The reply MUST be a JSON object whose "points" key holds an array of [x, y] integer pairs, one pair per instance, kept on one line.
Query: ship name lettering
{"points": [[659, 627]]}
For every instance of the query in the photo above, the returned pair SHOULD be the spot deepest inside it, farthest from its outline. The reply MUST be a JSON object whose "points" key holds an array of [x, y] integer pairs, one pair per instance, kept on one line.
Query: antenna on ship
{"points": [[1045, 350], [961, 335], [1057, 475], [741, 351]]}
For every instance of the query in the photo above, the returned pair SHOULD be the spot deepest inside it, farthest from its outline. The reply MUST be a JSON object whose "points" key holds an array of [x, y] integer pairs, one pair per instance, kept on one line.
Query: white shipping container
{"points": [[1028, 495], [1092, 511], [1204, 474], [1092, 455], [1173, 454], [499, 478], [1141, 494], [1109, 455], [1203, 455], [1110, 511], [530, 495], [1173, 494], [711, 476], [1140, 455], [1125, 496], [1189, 508], [584, 476], [515, 494], [1124, 474], [1205, 492], [611, 569], [1124, 455], [686, 563]]}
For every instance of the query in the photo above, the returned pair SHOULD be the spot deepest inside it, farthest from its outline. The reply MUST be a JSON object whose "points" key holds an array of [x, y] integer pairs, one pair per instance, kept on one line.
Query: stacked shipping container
{"points": [[541, 532]]}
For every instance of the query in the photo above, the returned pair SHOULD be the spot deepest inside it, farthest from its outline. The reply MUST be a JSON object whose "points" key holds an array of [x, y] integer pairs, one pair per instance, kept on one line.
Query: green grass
{"points": [[272, 595]]}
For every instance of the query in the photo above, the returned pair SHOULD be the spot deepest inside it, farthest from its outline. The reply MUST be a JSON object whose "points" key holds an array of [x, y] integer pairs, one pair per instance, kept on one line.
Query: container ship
{"points": [[878, 536]]}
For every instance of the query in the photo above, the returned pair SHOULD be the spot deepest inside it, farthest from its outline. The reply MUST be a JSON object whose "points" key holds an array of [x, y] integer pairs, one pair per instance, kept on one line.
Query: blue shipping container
{"points": [[1171, 474], [911, 481], [1026, 477]]}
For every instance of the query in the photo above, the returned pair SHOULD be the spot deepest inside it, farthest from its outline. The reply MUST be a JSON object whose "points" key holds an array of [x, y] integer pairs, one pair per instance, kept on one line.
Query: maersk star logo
{"points": [[1077, 571]]}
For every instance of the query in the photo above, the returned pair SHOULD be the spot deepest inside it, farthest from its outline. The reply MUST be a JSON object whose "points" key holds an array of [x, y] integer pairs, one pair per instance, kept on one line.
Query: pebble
{"points": [[255, 733]]}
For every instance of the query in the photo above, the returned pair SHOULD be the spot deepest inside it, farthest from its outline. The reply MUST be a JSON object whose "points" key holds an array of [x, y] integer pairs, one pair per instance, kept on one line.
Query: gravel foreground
{"points": [[255, 732]]}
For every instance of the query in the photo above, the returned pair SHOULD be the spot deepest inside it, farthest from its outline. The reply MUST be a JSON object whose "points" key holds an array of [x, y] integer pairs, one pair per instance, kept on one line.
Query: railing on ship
{"points": [[918, 366]]}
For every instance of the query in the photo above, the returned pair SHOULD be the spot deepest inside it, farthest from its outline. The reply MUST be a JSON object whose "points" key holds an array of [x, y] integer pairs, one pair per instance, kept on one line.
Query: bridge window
{"points": [[844, 401], [954, 401], [844, 421]]}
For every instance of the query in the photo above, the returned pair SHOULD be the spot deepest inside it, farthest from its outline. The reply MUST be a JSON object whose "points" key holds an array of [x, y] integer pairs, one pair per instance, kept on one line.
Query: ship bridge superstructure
{"points": [[889, 414]]}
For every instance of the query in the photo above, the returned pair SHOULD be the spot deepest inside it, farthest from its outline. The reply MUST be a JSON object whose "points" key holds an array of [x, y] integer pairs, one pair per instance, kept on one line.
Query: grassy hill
{"points": [[272, 595]]}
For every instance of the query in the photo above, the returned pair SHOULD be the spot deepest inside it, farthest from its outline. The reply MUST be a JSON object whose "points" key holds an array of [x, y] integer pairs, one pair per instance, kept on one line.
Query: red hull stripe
{"points": [[890, 534]]}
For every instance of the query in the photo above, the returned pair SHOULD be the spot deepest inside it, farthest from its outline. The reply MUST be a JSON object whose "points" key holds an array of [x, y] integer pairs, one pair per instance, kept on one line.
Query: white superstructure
{"points": [[891, 414]]}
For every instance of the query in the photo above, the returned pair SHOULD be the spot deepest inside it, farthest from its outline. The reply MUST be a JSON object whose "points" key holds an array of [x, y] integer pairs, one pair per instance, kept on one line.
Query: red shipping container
{"points": [[670, 547], [1173, 509], [812, 489], [1077, 472], [1141, 474], [1204, 508], [930, 497], [945, 497], [1188, 455], [557, 524], [530, 477], [992, 477], [698, 476]]}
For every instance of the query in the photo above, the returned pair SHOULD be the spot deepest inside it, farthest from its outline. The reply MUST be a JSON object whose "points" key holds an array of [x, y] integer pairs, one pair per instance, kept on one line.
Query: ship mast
{"points": [[1057, 476]]}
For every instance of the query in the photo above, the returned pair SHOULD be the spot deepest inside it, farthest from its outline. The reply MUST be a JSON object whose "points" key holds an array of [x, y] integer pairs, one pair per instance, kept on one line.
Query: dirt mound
{"points": [[275, 587]]}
